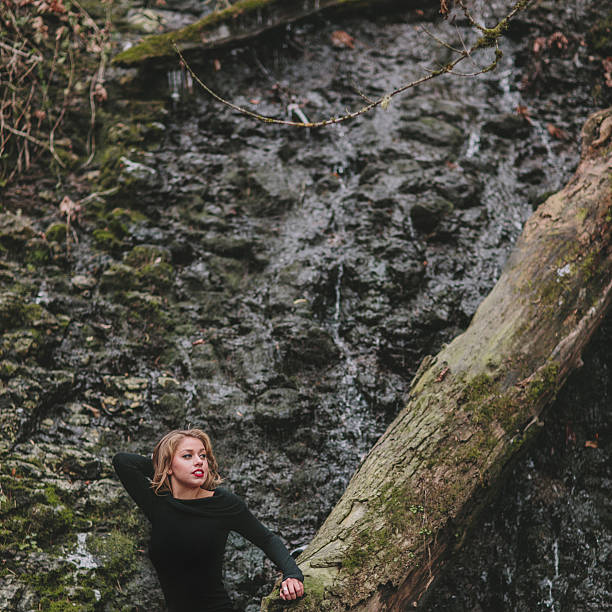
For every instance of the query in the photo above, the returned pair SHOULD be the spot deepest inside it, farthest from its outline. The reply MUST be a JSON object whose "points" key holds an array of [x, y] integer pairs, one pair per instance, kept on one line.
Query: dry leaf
{"points": [[340, 38], [216, 65], [70, 208], [557, 132], [100, 92], [559, 40], [538, 44], [591, 444], [443, 7], [523, 111]]}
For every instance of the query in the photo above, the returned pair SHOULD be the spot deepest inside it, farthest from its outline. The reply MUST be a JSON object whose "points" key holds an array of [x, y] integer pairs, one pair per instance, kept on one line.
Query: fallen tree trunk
{"points": [[473, 406], [242, 20]]}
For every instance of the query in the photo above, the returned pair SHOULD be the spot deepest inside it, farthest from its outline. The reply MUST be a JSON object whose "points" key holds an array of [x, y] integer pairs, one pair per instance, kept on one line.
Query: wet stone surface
{"points": [[277, 288]]}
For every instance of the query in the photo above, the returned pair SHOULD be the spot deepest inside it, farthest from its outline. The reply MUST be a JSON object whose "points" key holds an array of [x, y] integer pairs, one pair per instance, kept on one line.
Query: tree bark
{"points": [[473, 406], [245, 19]]}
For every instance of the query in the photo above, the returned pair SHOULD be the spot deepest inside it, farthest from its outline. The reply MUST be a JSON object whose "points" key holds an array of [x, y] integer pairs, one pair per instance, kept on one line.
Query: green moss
{"points": [[160, 45], [145, 254], [119, 277], [544, 384], [37, 252], [106, 239], [57, 232], [487, 401], [147, 308], [31, 517], [157, 277], [599, 37], [117, 550], [397, 505], [588, 266]]}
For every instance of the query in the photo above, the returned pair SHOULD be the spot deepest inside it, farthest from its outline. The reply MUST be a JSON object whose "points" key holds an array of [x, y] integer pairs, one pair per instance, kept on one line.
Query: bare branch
{"points": [[489, 38], [440, 41]]}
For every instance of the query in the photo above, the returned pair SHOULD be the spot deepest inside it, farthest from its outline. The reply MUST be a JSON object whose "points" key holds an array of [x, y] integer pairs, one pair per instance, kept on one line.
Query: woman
{"points": [[190, 520]]}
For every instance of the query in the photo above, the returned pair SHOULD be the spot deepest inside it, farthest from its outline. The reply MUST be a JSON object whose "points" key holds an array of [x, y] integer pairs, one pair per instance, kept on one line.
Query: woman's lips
{"points": [[198, 473]]}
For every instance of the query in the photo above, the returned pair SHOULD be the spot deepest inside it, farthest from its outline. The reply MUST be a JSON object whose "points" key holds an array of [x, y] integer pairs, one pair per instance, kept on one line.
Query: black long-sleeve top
{"points": [[188, 538]]}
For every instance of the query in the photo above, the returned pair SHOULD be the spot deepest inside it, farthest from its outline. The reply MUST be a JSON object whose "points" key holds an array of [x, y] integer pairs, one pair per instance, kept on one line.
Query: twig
{"points": [[440, 41], [67, 92], [19, 52], [26, 135], [98, 194], [490, 38]]}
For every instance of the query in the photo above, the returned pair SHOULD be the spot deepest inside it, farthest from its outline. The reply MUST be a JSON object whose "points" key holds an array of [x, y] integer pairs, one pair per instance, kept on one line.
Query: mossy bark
{"points": [[240, 21], [472, 406]]}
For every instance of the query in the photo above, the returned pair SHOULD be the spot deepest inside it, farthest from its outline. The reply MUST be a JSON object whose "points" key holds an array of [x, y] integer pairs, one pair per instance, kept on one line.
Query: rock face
{"points": [[269, 286]]}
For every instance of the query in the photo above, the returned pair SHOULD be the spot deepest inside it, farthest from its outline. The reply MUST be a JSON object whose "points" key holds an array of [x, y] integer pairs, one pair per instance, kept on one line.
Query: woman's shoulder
{"points": [[229, 499], [228, 494]]}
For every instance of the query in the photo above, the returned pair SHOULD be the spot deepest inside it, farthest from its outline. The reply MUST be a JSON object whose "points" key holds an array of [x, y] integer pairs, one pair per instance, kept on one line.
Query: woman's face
{"points": [[189, 467]]}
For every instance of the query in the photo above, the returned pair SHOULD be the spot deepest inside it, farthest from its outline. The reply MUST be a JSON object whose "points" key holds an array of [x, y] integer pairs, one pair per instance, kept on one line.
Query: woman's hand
{"points": [[291, 588]]}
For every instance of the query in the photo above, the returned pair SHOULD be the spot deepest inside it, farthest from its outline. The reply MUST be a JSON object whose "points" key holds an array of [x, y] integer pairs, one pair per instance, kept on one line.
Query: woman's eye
{"points": [[187, 456]]}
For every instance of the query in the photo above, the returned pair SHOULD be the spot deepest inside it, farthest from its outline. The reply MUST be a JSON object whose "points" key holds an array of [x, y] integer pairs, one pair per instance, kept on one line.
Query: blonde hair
{"points": [[164, 453]]}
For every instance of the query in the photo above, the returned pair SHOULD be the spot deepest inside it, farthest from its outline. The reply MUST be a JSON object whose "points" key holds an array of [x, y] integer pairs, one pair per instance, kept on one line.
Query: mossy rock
{"points": [[599, 37], [15, 231], [146, 307], [119, 277], [157, 277], [107, 240], [146, 254], [124, 132], [57, 232], [115, 549], [37, 252], [16, 312], [126, 216]]}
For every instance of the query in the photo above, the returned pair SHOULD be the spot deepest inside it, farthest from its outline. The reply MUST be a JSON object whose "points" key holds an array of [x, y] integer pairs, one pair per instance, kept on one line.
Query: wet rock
{"points": [[147, 21], [56, 232], [426, 214], [15, 231], [279, 407], [119, 277], [232, 246], [136, 175], [146, 254], [508, 125], [463, 190], [431, 130], [304, 344]]}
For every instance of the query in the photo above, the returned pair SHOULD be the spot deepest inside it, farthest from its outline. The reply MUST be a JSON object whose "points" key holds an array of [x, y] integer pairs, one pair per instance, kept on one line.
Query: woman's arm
{"points": [[249, 527], [135, 472]]}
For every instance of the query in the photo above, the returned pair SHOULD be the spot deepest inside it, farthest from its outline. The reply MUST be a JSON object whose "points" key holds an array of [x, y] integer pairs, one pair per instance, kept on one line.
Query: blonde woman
{"points": [[191, 517]]}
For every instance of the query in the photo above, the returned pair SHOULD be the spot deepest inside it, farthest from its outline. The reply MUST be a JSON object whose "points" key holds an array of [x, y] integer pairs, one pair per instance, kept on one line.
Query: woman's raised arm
{"points": [[135, 473]]}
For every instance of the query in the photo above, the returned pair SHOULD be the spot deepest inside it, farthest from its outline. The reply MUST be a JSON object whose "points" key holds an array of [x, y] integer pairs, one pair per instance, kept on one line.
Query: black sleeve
{"points": [[135, 472], [249, 527]]}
